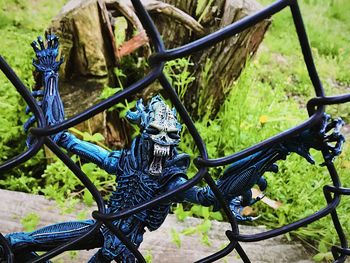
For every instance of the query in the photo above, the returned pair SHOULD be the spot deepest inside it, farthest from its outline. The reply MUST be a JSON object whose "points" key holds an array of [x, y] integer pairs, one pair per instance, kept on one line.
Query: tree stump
{"points": [[225, 60], [92, 50]]}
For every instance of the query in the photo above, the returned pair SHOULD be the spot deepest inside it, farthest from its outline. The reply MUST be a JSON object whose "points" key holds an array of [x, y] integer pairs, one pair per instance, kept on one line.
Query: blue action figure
{"points": [[151, 167]]}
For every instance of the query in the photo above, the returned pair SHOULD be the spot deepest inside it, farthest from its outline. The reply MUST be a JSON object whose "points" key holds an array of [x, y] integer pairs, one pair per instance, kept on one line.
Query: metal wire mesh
{"points": [[315, 109]]}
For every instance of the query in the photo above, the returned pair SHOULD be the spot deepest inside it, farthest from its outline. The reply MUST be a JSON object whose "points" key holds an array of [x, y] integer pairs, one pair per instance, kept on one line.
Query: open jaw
{"points": [[160, 154]]}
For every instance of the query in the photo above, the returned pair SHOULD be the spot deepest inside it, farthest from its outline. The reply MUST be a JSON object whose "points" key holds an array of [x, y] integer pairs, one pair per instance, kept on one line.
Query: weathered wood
{"points": [[159, 7], [89, 61], [133, 44], [173, 33], [15, 206], [227, 58], [86, 31]]}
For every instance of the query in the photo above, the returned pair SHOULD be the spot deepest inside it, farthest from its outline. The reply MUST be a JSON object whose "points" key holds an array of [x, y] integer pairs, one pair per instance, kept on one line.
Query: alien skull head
{"points": [[160, 126]]}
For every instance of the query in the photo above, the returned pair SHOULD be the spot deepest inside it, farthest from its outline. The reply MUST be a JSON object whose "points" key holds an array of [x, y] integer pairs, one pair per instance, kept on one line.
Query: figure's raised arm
{"points": [[46, 69], [47, 66]]}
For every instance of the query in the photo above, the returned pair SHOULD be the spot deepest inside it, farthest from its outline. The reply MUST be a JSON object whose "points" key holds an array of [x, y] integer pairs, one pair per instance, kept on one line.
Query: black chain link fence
{"points": [[315, 108]]}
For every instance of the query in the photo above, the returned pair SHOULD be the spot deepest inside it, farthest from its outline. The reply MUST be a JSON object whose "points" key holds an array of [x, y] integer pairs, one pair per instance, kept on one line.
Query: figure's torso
{"points": [[136, 186]]}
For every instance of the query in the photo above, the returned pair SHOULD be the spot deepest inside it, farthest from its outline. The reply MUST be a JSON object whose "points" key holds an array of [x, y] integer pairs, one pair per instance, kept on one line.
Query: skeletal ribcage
{"points": [[135, 189]]}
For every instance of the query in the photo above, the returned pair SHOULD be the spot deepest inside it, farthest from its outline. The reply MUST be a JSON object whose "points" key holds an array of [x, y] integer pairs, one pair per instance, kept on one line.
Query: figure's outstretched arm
{"points": [[236, 183], [239, 178], [107, 160], [47, 67], [196, 195]]}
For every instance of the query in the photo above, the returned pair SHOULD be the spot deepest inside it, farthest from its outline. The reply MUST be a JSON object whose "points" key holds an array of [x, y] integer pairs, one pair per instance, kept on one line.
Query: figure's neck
{"points": [[141, 149]]}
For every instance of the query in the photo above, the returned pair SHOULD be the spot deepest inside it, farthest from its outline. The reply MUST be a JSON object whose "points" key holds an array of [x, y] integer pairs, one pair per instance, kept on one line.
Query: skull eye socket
{"points": [[152, 130], [173, 135]]}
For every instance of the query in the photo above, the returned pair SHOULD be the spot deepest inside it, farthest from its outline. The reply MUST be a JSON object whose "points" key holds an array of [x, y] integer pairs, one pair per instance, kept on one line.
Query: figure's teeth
{"points": [[160, 150]]}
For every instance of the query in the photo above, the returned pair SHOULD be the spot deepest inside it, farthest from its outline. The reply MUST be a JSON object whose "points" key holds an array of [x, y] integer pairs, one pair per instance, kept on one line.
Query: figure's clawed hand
{"points": [[333, 138], [237, 210], [46, 56], [238, 203], [325, 137]]}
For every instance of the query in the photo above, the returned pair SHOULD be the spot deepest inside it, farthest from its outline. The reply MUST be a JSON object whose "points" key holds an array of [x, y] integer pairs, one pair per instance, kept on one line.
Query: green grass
{"points": [[275, 87], [280, 65], [328, 26]]}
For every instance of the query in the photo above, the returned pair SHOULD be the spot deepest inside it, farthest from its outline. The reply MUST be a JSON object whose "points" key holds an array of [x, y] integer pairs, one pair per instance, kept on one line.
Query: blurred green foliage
{"points": [[30, 221], [20, 23]]}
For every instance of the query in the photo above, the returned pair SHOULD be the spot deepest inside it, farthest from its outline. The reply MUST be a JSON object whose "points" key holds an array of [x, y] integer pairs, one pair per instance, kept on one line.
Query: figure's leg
{"points": [[114, 249], [99, 258], [247, 198], [49, 237], [262, 183], [104, 256]]}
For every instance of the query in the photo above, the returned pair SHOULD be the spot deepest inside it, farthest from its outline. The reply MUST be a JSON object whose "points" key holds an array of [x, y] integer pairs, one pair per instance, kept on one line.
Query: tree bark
{"points": [[226, 59], [86, 30]]}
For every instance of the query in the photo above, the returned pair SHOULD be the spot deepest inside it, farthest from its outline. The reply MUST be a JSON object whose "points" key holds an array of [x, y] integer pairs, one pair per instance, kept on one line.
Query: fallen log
{"points": [[16, 206]]}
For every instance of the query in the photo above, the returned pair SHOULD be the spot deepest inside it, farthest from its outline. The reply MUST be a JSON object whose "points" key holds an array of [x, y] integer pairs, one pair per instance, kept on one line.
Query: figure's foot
{"points": [[237, 209]]}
